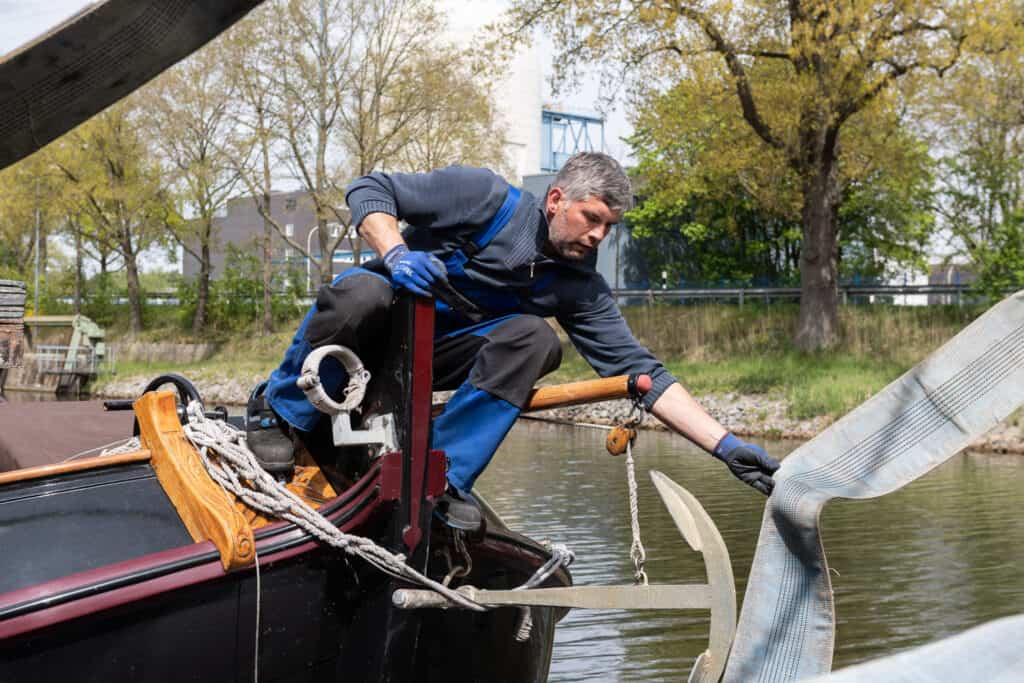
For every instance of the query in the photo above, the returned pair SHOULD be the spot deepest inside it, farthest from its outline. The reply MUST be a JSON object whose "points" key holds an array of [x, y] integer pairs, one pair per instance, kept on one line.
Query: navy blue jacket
{"points": [[444, 209]]}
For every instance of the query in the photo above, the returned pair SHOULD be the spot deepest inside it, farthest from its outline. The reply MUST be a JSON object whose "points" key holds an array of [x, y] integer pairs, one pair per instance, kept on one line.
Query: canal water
{"points": [[939, 556]]}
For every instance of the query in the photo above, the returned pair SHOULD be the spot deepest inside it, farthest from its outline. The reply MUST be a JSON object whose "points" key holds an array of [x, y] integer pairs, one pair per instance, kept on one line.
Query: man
{"points": [[519, 259]]}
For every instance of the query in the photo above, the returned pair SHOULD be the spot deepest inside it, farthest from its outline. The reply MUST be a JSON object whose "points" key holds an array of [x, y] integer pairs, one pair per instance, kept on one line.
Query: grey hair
{"points": [[593, 174]]}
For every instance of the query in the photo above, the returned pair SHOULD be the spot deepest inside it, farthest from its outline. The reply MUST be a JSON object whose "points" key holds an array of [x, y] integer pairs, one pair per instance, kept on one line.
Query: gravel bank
{"points": [[750, 416]]}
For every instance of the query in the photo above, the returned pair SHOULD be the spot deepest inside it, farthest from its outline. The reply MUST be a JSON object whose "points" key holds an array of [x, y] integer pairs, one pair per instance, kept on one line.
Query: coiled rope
{"points": [[229, 462]]}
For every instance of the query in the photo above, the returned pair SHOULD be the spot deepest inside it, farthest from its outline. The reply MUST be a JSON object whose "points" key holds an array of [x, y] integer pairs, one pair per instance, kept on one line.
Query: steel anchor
{"points": [[718, 595]]}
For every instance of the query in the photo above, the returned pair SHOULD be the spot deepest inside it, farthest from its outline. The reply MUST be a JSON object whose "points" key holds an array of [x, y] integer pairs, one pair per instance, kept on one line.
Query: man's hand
{"points": [[414, 270], [748, 462]]}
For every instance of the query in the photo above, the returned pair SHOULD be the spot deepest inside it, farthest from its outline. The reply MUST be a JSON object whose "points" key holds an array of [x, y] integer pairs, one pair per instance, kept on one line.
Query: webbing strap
{"points": [[990, 652], [787, 627]]}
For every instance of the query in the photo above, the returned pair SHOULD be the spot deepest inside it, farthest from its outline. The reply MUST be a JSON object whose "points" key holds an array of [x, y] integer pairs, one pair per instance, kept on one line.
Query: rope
{"points": [[561, 556], [636, 550], [229, 462], [112, 448]]}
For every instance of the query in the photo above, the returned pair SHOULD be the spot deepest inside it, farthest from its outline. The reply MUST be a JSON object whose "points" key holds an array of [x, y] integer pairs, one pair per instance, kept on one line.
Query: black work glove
{"points": [[748, 462]]}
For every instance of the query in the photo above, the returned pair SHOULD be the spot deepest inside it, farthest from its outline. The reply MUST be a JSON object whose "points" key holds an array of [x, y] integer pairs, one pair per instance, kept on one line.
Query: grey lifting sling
{"points": [[786, 628]]}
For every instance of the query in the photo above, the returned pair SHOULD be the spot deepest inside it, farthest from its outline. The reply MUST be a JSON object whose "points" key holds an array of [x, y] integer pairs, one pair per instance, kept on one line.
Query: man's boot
{"points": [[267, 435], [460, 510]]}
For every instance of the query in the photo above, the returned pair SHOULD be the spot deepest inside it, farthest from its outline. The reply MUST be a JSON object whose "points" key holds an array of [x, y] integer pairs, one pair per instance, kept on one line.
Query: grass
{"points": [[240, 355], [812, 384], [716, 349], [712, 349]]}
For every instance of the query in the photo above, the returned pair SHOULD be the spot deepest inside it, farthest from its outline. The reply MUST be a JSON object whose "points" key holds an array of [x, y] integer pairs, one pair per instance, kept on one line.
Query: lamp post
{"points": [[35, 292], [309, 255]]}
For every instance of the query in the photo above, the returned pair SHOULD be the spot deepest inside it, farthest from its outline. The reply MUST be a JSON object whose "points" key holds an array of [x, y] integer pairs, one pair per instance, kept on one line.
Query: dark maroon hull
{"points": [[173, 614], [100, 581]]}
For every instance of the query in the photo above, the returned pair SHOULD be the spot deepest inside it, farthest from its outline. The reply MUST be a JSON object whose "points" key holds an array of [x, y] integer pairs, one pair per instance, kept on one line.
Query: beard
{"points": [[570, 251], [560, 243]]}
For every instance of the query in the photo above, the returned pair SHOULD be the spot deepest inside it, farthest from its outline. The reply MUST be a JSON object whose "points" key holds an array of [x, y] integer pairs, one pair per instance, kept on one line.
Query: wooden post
{"points": [[12, 324]]}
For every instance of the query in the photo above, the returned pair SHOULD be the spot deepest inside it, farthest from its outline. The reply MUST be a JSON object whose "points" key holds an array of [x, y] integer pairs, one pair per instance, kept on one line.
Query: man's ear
{"points": [[555, 195]]}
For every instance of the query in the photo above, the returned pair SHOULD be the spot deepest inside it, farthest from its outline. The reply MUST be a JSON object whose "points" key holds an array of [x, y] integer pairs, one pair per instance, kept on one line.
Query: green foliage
{"points": [[101, 299], [720, 207], [986, 206], [236, 298], [727, 239]]}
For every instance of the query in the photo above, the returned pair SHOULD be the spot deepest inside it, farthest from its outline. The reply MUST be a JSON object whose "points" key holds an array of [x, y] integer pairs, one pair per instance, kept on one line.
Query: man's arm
{"points": [[681, 413], [454, 197], [602, 337], [380, 230], [748, 462]]}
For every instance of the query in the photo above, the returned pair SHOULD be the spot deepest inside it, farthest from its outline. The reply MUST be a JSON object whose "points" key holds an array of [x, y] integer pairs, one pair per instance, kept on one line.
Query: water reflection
{"points": [[939, 556], [19, 396]]}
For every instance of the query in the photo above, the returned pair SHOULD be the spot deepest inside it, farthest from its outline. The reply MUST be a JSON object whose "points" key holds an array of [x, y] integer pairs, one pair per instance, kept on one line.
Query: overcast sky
{"points": [[23, 20]]}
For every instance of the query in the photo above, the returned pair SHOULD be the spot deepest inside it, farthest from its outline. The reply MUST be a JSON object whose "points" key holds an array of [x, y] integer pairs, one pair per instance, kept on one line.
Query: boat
{"points": [[135, 564]]}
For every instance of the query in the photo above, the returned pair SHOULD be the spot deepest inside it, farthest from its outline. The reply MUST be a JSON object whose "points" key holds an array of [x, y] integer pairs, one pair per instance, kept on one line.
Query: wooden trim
{"points": [[97, 461], [206, 509]]}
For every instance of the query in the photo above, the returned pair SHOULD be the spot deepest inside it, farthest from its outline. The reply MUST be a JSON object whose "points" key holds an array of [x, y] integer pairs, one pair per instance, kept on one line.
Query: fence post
{"points": [[741, 298]]}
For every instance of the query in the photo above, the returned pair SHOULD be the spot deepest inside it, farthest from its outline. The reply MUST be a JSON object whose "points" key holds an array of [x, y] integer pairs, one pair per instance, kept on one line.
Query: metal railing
{"points": [[945, 294], [53, 359], [938, 294]]}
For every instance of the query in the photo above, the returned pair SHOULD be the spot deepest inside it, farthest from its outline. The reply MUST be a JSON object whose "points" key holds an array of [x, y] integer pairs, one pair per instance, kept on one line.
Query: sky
{"points": [[23, 20]]}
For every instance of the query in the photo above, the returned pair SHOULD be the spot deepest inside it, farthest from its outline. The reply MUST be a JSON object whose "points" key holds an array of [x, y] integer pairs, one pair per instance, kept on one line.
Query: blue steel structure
{"points": [[564, 134]]}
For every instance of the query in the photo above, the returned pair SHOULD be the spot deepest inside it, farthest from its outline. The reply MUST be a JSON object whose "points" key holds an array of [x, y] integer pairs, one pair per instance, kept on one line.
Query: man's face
{"points": [[575, 228]]}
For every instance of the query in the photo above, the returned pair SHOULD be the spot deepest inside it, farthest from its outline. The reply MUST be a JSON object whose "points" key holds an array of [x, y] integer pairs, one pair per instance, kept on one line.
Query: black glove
{"points": [[748, 462]]}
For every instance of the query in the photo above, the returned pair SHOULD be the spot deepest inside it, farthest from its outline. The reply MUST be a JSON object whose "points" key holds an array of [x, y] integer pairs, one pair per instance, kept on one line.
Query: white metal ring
{"points": [[309, 380]]}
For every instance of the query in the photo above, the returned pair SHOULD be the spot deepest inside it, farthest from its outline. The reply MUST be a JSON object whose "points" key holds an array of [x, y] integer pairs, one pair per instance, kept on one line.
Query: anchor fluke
{"points": [[700, 532]]}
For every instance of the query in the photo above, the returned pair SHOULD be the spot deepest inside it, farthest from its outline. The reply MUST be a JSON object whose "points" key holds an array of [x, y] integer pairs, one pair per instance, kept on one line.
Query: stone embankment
{"points": [[215, 388], [757, 417]]}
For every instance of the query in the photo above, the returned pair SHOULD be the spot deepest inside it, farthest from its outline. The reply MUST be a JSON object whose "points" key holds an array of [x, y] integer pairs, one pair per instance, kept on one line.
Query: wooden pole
{"points": [[588, 391]]}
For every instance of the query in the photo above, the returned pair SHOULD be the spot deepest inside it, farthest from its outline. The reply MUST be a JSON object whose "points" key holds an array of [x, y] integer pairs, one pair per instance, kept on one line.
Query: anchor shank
{"points": [[689, 596]]}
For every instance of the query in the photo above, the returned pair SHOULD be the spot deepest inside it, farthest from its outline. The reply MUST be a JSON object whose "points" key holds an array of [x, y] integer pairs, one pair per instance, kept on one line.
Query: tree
{"points": [[30, 198], [116, 184], [728, 237], [798, 76], [186, 112], [291, 81], [340, 88], [982, 184], [462, 125], [247, 49]]}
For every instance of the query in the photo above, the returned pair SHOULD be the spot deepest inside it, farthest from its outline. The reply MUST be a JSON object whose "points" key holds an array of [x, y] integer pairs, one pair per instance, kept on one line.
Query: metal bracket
{"points": [[380, 431]]}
